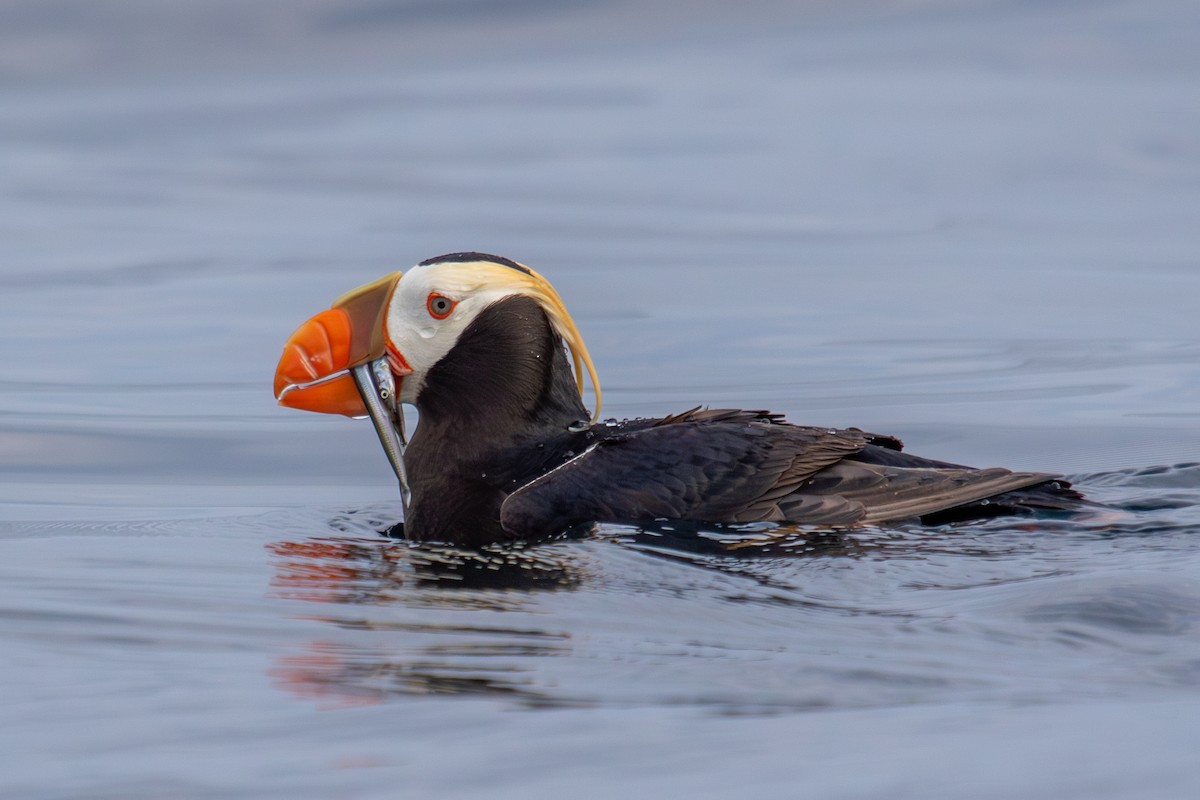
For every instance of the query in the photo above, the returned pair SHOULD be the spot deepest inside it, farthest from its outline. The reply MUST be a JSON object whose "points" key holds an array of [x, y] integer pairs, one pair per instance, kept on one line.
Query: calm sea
{"points": [[975, 225]]}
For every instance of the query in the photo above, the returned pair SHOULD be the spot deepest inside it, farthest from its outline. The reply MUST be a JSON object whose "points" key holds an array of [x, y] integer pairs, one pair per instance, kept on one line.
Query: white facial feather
{"points": [[421, 338]]}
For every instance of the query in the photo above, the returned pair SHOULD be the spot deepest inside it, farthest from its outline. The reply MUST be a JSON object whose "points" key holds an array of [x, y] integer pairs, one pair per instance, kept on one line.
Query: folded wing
{"points": [[727, 466]]}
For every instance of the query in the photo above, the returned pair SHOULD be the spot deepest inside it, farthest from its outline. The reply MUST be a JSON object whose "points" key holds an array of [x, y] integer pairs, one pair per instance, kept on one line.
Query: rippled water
{"points": [[969, 224]]}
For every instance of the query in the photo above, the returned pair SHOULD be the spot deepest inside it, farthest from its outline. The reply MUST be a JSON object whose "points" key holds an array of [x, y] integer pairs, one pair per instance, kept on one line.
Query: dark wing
{"points": [[712, 466], [889, 493], [726, 466]]}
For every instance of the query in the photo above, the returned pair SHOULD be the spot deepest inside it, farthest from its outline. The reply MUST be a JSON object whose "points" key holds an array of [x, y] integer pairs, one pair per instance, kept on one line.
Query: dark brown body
{"points": [[503, 451]]}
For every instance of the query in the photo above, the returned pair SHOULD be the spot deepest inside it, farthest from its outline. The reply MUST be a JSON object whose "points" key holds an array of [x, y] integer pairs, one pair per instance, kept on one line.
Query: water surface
{"points": [[968, 224]]}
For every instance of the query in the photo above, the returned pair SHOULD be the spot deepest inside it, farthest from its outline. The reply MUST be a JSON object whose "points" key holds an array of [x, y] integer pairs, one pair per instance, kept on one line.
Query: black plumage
{"points": [[504, 451]]}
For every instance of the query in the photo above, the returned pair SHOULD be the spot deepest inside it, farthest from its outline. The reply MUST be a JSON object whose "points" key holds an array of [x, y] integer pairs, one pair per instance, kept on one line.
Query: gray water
{"points": [[971, 224]]}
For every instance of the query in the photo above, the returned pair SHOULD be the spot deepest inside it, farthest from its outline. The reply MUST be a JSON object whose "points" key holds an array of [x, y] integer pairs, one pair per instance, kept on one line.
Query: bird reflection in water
{"points": [[366, 589], [333, 570]]}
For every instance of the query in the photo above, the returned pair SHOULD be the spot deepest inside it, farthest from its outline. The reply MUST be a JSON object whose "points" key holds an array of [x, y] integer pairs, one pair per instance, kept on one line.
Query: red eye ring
{"points": [[439, 306]]}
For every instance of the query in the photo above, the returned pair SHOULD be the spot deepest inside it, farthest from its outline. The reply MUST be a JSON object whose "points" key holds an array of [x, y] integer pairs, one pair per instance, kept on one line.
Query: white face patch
{"points": [[421, 327], [414, 331]]}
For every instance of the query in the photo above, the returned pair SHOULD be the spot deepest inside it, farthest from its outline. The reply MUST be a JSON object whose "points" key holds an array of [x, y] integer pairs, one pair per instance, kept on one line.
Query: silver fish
{"points": [[378, 389]]}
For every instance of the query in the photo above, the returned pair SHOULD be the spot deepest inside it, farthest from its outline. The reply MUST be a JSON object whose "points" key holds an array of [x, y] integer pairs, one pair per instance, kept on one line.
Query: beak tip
{"points": [[307, 376], [282, 382], [336, 395]]}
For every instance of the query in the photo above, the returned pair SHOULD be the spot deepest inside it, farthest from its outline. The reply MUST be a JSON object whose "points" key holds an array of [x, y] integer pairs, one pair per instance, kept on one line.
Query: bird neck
{"points": [[507, 378]]}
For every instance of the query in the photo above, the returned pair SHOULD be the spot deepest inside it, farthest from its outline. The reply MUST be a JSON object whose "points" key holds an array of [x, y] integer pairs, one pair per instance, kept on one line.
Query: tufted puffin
{"points": [[505, 449]]}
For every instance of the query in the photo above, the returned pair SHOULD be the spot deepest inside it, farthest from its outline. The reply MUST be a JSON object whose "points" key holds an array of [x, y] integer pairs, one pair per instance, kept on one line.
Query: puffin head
{"points": [[412, 321]]}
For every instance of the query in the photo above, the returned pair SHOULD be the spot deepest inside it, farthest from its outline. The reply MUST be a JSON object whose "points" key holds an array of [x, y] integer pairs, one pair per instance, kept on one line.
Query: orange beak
{"points": [[314, 371]]}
